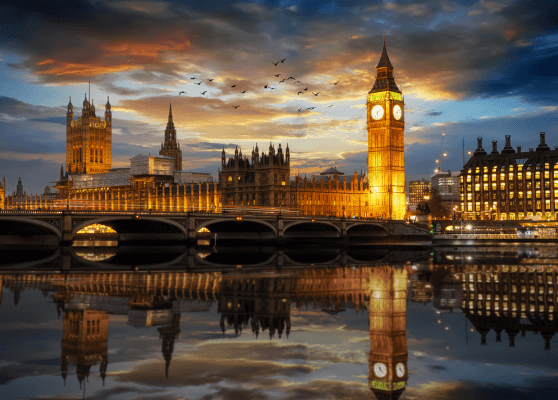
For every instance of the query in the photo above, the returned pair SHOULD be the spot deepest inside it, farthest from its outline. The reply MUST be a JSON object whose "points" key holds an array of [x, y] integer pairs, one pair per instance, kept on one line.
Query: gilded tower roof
{"points": [[384, 75]]}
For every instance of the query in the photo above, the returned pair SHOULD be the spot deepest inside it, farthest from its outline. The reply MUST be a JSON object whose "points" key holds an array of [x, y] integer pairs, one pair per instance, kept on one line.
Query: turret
{"points": [[70, 113], [287, 155], [108, 113], [223, 157], [85, 109]]}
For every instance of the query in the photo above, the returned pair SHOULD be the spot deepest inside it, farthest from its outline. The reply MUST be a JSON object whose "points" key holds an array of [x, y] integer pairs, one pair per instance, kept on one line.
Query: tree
{"points": [[437, 207]]}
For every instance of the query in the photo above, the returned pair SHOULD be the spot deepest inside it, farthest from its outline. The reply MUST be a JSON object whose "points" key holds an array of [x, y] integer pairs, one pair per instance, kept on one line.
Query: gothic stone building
{"points": [[263, 180]]}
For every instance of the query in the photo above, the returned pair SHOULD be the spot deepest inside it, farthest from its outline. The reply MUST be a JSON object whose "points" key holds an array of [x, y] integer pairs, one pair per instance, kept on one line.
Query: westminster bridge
{"points": [[52, 227]]}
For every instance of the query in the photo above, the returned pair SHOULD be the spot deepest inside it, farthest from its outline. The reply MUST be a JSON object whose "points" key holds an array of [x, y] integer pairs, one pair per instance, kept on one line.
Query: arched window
{"points": [[91, 155], [101, 156], [96, 159]]}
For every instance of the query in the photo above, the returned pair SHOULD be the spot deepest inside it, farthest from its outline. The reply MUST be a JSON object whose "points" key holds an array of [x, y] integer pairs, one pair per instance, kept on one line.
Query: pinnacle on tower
{"points": [[384, 59]]}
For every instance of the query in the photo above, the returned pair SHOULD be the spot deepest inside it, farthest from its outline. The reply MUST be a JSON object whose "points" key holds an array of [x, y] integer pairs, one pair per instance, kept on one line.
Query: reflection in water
{"points": [[507, 298]]}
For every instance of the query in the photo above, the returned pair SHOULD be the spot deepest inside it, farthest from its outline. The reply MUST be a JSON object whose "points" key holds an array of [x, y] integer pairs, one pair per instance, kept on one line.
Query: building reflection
{"points": [[514, 299], [511, 299]]}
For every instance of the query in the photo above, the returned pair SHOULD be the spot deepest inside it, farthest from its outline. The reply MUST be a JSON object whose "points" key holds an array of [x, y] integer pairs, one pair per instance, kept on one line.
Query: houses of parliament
{"points": [[262, 179]]}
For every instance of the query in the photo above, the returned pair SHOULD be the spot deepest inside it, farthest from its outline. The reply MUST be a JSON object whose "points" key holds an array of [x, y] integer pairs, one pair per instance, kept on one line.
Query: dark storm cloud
{"points": [[459, 56]]}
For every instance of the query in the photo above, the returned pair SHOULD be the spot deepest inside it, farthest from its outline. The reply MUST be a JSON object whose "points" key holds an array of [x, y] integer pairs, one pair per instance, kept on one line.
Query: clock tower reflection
{"points": [[388, 340]]}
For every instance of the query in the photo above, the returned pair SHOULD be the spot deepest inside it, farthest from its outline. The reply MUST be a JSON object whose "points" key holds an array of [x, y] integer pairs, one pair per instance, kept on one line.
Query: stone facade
{"points": [[386, 124], [88, 140]]}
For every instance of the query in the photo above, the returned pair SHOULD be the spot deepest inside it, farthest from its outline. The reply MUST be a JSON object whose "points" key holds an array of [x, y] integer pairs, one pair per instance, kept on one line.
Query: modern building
{"points": [[511, 184], [446, 183], [418, 190]]}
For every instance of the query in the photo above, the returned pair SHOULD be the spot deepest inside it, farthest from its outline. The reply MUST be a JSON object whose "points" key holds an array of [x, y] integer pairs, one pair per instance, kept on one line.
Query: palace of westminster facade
{"points": [[511, 185], [263, 180]]}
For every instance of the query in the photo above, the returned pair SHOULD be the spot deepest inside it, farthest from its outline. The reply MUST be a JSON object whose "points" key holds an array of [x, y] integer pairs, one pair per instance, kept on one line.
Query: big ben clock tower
{"points": [[388, 340], [385, 124]]}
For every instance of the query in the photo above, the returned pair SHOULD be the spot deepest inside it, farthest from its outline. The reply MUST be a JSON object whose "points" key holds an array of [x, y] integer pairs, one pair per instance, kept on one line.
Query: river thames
{"points": [[404, 322]]}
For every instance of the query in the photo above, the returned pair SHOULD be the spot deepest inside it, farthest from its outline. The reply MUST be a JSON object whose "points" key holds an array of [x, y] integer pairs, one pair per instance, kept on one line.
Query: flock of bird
{"points": [[267, 86]]}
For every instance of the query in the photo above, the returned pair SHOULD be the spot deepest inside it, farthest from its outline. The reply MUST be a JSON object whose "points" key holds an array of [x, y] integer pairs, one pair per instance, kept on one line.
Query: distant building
{"points": [[447, 183], [418, 190]]}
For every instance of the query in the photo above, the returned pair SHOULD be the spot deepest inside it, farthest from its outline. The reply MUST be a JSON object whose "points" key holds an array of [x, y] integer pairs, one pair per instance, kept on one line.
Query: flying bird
{"points": [[336, 83], [265, 87], [300, 92], [278, 75], [181, 93], [300, 109], [235, 107], [281, 81], [310, 108], [193, 77], [210, 80], [204, 92], [315, 94], [330, 106], [243, 92], [298, 82], [233, 85], [305, 88], [199, 83], [290, 77], [283, 60], [275, 63]]}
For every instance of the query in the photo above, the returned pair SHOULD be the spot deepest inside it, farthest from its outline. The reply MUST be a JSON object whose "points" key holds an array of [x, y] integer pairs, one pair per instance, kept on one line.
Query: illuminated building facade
{"points": [[386, 124], [388, 340], [511, 185], [418, 190], [88, 140], [89, 182], [446, 183]]}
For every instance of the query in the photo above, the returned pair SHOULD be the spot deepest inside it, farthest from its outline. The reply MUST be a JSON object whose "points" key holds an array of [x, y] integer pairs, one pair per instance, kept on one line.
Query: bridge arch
{"points": [[117, 221], [36, 222], [304, 228], [246, 222], [358, 229]]}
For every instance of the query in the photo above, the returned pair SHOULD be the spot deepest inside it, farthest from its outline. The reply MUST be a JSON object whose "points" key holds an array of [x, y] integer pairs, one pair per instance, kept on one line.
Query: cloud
{"points": [[434, 113]]}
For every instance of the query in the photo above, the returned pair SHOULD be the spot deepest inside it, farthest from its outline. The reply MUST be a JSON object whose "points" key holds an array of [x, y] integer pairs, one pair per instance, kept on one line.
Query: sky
{"points": [[466, 68]]}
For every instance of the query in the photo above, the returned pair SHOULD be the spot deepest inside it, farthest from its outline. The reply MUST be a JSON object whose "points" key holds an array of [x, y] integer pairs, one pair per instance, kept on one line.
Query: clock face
{"points": [[397, 112], [380, 370], [377, 112], [400, 370]]}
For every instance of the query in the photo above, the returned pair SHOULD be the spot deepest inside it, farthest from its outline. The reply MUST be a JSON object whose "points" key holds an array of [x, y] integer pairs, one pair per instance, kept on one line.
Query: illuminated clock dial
{"points": [[397, 112], [400, 370], [377, 112], [380, 370]]}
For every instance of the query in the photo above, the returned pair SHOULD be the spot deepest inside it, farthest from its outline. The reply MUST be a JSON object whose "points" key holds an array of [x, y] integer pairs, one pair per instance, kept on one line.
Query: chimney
{"points": [[519, 149], [494, 147], [508, 148], [542, 145], [479, 150]]}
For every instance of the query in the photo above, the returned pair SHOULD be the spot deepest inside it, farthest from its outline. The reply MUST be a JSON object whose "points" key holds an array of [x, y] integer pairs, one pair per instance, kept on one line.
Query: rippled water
{"points": [[267, 323]]}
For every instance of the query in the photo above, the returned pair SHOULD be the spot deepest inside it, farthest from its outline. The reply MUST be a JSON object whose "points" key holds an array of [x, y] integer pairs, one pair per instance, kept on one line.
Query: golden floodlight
{"points": [[239, 218], [203, 230], [96, 228]]}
